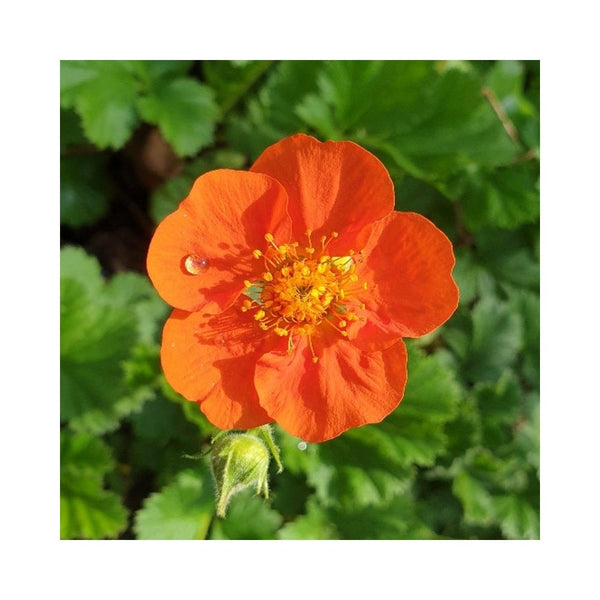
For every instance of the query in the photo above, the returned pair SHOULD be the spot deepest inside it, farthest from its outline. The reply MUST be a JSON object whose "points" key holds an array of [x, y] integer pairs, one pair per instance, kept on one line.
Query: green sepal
{"points": [[238, 460]]}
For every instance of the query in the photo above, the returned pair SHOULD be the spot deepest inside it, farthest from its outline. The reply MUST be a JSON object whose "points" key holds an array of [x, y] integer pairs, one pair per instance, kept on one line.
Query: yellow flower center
{"points": [[301, 288]]}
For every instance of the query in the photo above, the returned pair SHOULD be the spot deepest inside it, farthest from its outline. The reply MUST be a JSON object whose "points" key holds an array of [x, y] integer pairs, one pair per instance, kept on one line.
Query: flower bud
{"points": [[238, 460]]}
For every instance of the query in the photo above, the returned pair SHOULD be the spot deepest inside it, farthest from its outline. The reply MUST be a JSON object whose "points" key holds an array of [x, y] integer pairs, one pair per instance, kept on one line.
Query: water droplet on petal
{"points": [[195, 264]]}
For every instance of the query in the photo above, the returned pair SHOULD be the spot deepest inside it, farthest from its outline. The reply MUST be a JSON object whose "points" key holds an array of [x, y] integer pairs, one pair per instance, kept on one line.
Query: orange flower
{"points": [[293, 286]]}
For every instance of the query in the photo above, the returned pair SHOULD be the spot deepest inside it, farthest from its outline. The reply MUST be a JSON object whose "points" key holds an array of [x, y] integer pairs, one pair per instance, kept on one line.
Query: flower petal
{"points": [[408, 267], [210, 359], [345, 388], [223, 219], [332, 186]]}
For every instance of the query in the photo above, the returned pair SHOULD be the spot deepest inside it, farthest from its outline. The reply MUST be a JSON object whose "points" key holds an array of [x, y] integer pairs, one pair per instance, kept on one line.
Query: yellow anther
{"points": [[302, 288], [334, 234], [315, 359]]}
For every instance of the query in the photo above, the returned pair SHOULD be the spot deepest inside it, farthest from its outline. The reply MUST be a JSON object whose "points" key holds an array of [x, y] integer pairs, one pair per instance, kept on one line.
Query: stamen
{"points": [[302, 286], [315, 358]]}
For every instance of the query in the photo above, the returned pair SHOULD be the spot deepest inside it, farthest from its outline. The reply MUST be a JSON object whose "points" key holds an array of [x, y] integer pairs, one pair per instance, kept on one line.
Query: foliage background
{"points": [[459, 458]]}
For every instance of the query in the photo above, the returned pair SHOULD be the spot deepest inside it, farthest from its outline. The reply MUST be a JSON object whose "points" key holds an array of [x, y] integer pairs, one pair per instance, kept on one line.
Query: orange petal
{"points": [[210, 359], [408, 267], [345, 388], [332, 186], [215, 229]]}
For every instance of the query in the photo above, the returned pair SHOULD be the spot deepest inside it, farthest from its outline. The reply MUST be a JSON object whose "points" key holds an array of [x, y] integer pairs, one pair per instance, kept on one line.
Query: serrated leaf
{"points": [[134, 291], [430, 400], [374, 464], [83, 189], [232, 79], [98, 337], [527, 304], [86, 509], [76, 264], [103, 92], [95, 340], [393, 521], [249, 517], [518, 519], [152, 72], [271, 113], [497, 338], [429, 121], [506, 198], [477, 502], [184, 110], [500, 406], [510, 256], [182, 510], [314, 525]]}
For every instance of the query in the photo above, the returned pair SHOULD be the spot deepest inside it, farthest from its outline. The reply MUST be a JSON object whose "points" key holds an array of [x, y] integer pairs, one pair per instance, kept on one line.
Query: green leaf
{"points": [[527, 304], [98, 337], [477, 502], [76, 264], [134, 291], [271, 114], [154, 72], [95, 340], [182, 510], [431, 399], [83, 189], [429, 121], [497, 339], [103, 92], [507, 198], [86, 509], [500, 405], [249, 517], [394, 521], [507, 81], [510, 256], [518, 519], [71, 133], [314, 525], [184, 110], [232, 80], [374, 464]]}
